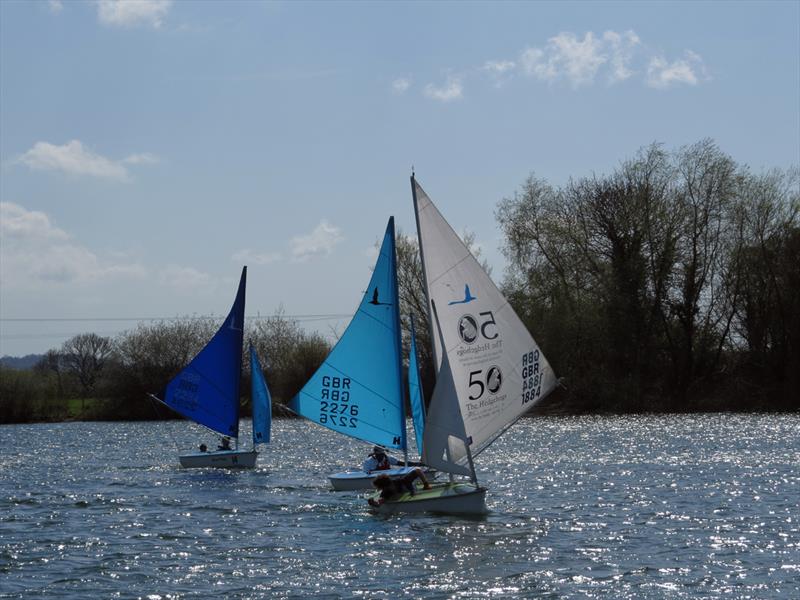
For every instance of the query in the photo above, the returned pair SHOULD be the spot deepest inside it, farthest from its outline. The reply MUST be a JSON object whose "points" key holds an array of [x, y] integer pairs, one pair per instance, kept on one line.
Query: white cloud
{"points": [[144, 158], [501, 71], [247, 256], [566, 56], [621, 49], [535, 63], [319, 242], [72, 158], [183, 277], [17, 223], [130, 13], [401, 85], [662, 74], [55, 6], [499, 66], [36, 252], [451, 90]]}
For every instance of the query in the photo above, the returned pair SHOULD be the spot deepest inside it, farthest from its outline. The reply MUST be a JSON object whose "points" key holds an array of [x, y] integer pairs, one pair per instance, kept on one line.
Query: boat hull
{"points": [[361, 480], [226, 459], [442, 498]]}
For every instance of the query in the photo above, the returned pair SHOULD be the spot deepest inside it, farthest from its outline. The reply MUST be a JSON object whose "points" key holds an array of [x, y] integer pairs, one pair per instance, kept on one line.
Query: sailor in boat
{"points": [[203, 448], [224, 444], [391, 489], [378, 460]]}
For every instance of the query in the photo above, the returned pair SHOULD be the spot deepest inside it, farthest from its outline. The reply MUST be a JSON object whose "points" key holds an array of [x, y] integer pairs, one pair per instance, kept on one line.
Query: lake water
{"points": [[621, 507]]}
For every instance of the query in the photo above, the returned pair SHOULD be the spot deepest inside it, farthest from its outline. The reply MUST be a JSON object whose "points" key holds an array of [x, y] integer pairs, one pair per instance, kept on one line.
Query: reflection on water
{"points": [[623, 507]]}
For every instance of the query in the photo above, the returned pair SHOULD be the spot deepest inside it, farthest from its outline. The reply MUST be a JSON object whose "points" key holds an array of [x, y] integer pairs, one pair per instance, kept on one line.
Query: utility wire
{"points": [[311, 317]]}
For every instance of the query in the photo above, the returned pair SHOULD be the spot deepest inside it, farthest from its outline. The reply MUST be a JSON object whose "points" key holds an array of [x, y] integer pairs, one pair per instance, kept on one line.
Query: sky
{"points": [[149, 149]]}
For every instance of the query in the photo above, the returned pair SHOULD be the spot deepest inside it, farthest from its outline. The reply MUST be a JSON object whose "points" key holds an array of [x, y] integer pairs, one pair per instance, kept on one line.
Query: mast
{"points": [[419, 377], [398, 344], [436, 359]]}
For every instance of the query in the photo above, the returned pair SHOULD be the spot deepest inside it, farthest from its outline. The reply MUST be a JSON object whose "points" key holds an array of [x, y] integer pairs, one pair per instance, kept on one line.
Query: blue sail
{"points": [[415, 390], [358, 390], [262, 401], [207, 389]]}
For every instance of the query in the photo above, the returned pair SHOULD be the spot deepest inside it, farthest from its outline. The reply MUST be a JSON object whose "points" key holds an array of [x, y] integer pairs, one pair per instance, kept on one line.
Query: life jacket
{"points": [[384, 464]]}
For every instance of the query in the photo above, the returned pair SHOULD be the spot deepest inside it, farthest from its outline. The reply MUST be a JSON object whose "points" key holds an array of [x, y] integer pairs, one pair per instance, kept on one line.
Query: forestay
{"points": [[207, 389], [498, 371], [358, 390]]}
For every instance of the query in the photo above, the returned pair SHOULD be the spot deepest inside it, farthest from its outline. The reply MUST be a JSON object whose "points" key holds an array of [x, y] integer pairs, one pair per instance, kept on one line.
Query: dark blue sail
{"points": [[207, 389], [262, 401], [415, 390], [358, 390]]}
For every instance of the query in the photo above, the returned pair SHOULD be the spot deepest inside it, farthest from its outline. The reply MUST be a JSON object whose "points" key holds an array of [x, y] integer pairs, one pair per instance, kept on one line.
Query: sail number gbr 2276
{"points": [[335, 408]]}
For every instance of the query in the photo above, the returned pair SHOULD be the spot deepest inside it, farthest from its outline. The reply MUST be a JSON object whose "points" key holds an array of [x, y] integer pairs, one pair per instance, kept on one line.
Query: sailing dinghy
{"points": [[206, 391], [490, 371], [359, 390]]}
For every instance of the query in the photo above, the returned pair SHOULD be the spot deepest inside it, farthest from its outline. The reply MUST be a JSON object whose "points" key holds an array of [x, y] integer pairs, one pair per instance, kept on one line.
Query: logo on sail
{"points": [[377, 302], [468, 297], [494, 379], [468, 329], [232, 324]]}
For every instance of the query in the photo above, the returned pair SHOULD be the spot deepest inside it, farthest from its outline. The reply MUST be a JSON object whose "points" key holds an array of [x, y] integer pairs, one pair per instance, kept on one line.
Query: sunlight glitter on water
{"points": [[624, 507]]}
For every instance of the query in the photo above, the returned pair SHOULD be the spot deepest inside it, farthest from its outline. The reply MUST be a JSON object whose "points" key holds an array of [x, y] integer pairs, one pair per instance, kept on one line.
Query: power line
{"points": [[301, 318], [309, 317]]}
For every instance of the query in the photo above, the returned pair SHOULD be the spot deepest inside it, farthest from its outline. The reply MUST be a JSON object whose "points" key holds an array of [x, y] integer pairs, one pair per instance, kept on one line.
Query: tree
{"points": [[85, 356], [52, 363], [148, 356], [290, 355]]}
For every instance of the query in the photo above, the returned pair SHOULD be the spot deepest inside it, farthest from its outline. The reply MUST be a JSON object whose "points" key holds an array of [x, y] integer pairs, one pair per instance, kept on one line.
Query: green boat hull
{"points": [[442, 498]]}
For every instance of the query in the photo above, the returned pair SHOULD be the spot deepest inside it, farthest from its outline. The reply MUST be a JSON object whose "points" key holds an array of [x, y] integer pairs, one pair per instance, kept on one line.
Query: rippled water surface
{"points": [[621, 507]]}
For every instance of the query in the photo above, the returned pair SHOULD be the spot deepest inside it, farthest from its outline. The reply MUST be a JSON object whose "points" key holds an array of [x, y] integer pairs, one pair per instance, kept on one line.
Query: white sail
{"points": [[496, 367], [445, 439]]}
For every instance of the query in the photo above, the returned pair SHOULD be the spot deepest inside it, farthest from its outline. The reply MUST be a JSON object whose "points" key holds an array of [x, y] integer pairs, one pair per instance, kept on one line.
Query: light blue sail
{"points": [[262, 401], [415, 390], [207, 389], [358, 390]]}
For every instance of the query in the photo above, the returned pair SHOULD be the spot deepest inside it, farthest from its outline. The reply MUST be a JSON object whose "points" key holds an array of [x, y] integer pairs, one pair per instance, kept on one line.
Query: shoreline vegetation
{"points": [[671, 285]]}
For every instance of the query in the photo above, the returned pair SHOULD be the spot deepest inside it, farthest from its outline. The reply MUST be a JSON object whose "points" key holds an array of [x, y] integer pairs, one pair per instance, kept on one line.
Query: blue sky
{"points": [[149, 149]]}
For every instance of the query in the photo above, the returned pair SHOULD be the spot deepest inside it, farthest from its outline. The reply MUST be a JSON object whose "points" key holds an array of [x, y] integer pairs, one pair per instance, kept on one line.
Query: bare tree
{"points": [[53, 362], [85, 355]]}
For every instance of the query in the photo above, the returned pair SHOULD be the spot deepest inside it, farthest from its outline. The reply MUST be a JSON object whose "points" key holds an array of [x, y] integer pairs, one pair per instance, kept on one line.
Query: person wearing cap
{"points": [[225, 444], [378, 460]]}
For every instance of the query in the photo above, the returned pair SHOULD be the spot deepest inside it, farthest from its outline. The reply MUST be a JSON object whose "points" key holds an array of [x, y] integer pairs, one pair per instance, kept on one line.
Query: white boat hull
{"points": [[227, 459], [442, 498], [361, 480]]}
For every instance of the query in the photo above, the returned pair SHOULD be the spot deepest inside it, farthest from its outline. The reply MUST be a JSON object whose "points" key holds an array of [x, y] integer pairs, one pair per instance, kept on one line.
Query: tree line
{"points": [[111, 378], [670, 284]]}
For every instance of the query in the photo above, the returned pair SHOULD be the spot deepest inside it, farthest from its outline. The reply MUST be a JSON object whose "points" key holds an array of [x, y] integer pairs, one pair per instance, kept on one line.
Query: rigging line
{"points": [[469, 255], [298, 317], [158, 417]]}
